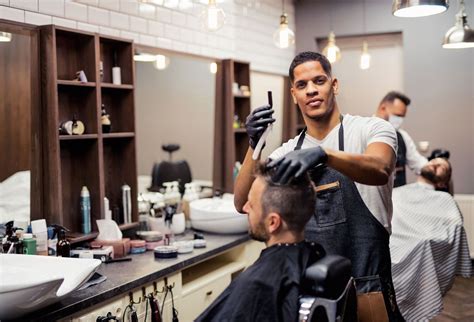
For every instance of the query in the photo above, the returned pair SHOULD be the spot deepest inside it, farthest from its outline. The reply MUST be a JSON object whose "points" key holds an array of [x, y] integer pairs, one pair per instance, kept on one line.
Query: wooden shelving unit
{"points": [[293, 122], [101, 161], [230, 144]]}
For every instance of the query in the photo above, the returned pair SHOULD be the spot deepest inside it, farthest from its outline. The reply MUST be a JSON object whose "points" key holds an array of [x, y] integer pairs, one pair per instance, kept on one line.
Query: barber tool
{"points": [[108, 317], [115, 260], [261, 142]]}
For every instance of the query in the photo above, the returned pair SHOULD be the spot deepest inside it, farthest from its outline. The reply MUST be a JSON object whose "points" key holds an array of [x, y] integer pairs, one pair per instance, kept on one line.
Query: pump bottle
{"points": [[63, 247]]}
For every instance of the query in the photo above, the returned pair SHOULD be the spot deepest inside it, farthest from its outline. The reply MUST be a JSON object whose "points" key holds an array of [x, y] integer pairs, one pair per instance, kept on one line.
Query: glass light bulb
{"points": [[365, 57], [331, 51], [213, 68], [161, 62], [213, 17], [283, 37]]}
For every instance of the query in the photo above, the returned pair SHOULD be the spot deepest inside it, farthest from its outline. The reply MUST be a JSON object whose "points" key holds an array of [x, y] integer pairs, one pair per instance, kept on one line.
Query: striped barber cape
{"points": [[428, 247]]}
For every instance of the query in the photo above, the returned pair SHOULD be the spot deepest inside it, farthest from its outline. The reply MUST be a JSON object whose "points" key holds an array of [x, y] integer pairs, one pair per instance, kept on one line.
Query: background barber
{"points": [[393, 108], [353, 204]]}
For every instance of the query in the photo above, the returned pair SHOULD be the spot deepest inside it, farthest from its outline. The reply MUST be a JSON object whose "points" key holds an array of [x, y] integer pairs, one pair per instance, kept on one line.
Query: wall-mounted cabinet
{"points": [[232, 108], [101, 161]]}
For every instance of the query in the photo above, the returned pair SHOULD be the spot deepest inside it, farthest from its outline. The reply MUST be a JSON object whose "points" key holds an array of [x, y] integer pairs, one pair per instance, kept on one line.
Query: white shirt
{"points": [[359, 132], [415, 161]]}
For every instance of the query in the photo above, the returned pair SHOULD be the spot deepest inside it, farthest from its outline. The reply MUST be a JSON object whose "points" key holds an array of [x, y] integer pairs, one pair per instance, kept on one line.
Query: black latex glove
{"points": [[257, 122], [295, 163]]}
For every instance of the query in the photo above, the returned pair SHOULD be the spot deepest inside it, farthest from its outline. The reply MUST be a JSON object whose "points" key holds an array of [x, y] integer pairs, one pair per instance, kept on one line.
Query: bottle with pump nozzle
{"points": [[63, 247], [11, 243]]}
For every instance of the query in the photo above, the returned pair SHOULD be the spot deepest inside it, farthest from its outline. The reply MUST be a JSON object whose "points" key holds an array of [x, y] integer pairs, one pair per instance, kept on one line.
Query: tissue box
{"points": [[121, 247]]}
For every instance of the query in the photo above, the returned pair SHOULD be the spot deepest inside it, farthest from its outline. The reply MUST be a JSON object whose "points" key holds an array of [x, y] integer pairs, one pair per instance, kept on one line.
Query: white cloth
{"points": [[15, 197], [359, 132], [428, 247], [415, 161]]}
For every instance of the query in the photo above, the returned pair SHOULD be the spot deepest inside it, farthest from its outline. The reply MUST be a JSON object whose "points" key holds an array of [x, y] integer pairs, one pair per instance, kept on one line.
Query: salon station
{"points": [[236, 160]]}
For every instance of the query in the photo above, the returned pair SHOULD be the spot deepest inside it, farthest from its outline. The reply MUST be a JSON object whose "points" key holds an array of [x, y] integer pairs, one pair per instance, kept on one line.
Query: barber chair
{"points": [[329, 293], [439, 153], [170, 170]]}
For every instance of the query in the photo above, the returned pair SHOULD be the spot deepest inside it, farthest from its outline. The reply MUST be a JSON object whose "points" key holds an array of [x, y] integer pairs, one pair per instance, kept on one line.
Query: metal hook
{"points": [[132, 301]]}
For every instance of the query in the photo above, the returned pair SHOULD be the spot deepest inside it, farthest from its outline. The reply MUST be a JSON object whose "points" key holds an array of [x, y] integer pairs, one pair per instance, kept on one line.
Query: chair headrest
{"points": [[327, 277], [170, 147]]}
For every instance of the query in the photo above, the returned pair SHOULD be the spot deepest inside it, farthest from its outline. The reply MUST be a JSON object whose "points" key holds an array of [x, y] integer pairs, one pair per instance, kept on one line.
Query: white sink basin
{"points": [[217, 216], [29, 282]]}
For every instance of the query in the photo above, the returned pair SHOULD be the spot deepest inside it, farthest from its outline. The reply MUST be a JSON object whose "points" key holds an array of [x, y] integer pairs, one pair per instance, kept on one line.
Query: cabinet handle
{"points": [[209, 293]]}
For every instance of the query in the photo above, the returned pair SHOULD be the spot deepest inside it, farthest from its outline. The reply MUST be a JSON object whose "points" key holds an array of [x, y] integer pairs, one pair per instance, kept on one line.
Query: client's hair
{"points": [[294, 201], [393, 95]]}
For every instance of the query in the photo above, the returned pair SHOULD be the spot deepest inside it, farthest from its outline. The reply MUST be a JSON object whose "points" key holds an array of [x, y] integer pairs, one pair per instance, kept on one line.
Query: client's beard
{"points": [[259, 233], [430, 175]]}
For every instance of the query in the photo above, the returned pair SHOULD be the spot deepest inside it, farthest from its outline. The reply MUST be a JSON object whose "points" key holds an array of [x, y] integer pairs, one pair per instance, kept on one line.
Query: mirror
{"points": [[175, 105], [20, 156]]}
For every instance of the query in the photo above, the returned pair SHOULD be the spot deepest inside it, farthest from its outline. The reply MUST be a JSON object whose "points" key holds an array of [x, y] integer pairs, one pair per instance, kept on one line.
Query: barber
{"points": [[351, 160], [393, 108]]}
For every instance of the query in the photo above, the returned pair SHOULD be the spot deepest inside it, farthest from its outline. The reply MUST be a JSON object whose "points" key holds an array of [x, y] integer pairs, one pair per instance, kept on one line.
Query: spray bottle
{"points": [[85, 211]]}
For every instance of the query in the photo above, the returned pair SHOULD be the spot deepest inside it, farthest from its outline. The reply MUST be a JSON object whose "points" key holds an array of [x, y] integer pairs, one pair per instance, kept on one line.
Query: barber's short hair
{"points": [[309, 56], [294, 202], [393, 95]]}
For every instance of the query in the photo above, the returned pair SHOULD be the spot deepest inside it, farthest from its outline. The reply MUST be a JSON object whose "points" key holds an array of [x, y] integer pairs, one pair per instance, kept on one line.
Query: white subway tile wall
{"points": [[247, 34]]}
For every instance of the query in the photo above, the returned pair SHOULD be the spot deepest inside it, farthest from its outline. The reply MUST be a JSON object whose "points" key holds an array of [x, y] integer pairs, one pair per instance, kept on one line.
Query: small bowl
{"points": [[150, 236], [184, 246]]}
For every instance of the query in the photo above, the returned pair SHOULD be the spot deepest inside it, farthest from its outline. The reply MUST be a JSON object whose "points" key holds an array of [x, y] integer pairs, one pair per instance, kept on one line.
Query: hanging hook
{"points": [[132, 301]]}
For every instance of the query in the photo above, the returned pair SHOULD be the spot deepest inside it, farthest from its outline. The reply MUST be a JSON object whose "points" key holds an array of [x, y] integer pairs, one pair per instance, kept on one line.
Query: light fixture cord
{"points": [[283, 6]]}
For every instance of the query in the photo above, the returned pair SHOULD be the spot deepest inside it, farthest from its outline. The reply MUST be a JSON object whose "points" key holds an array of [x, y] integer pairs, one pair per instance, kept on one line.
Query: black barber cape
{"points": [[269, 289]]}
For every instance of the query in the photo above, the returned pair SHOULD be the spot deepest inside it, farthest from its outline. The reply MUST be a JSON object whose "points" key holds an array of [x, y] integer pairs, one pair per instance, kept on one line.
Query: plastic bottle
{"points": [[29, 244], [85, 211]]}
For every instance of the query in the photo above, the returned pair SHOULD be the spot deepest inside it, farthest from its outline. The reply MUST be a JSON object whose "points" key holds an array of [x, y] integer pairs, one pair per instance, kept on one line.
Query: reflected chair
{"points": [[170, 170]]}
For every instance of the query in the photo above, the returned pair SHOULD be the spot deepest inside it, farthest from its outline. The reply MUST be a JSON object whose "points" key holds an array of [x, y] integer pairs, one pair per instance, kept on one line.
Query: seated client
{"points": [[269, 289], [428, 244]]}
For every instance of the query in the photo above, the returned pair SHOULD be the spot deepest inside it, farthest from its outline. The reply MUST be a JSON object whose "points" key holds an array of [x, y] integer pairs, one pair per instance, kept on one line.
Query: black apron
{"points": [[400, 174], [344, 225]]}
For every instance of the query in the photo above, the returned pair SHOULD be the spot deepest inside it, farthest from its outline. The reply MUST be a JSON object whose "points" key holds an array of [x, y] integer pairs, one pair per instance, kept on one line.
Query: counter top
{"points": [[123, 277]]}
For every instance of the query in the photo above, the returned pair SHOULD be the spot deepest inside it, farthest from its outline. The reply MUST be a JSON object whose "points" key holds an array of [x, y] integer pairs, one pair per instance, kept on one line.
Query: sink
{"points": [[30, 282], [217, 216]]}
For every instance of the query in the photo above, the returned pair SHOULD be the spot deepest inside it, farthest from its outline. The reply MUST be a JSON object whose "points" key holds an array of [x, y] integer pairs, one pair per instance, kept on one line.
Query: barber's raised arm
{"points": [[244, 181], [255, 125], [371, 168]]}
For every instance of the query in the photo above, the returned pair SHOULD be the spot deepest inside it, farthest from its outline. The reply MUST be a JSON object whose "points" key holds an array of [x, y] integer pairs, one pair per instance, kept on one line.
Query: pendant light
{"points": [[418, 8], [283, 37], [365, 57], [5, 36], [331, 51], [212, 17], [461, 35]]}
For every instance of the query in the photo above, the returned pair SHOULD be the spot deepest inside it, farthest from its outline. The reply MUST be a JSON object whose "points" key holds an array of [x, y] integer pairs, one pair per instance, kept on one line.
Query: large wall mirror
{"points": [[20, 135], [176, 105]]}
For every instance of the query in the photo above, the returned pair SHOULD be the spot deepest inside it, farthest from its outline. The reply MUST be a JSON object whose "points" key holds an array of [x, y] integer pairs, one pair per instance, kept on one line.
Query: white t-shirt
{"points": [[415, 161], [359, 132]]}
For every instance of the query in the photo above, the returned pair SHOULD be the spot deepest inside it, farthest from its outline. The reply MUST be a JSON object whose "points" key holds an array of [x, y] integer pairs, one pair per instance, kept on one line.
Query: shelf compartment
{"points": [[119, 105], [79, 101], [74, 52], [121, 51], [120, 169], [62, 82], [79, 167], [118, 135], [241, 147], [77, 137], [242, 109], [110, 85]]}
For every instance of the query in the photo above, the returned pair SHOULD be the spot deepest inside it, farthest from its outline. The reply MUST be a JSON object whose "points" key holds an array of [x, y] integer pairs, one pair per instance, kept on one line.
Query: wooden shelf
{"points": [[240, 130], [102, 162], [241, 96], [74, 83], [110, 85], [118, 135], [75, 238], [78, 137]]}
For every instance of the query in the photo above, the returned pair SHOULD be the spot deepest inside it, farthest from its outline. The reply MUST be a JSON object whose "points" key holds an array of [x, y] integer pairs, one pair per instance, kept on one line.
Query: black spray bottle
{"points": [[63, 247], [12, 244]]}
